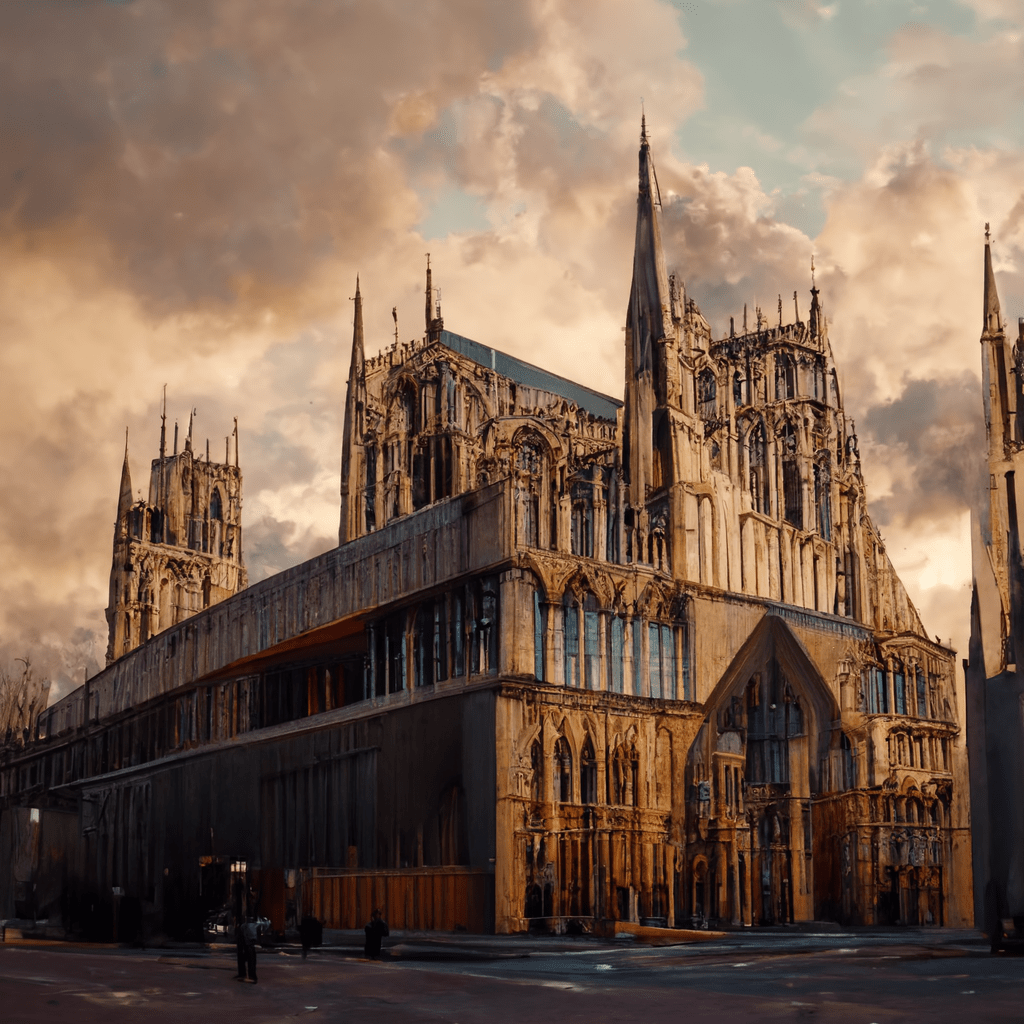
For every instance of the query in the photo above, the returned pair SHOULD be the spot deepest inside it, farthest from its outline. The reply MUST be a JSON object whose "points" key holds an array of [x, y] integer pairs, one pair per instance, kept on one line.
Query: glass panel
{"points": [[638, 657], [538, 638], [572, 645], [617, 653], [668, 662], [593, 661], [654, 638]]}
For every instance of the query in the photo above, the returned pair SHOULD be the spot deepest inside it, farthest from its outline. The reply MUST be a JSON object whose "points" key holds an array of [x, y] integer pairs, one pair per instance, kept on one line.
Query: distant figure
{"points": [[311, 933], [376, 930], [245, 944]]}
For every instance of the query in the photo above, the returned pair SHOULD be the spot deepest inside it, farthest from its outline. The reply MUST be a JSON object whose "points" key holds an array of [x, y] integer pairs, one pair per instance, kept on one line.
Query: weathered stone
{"points": [[574, 661]]}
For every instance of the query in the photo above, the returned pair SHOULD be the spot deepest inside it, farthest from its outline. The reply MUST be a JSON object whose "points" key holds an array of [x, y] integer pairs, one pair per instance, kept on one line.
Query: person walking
{"points": [[245, 946], [376, 930]]}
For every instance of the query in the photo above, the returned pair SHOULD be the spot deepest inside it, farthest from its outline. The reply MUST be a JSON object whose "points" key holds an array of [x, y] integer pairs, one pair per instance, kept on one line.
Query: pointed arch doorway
{"points": [[752, 774]]}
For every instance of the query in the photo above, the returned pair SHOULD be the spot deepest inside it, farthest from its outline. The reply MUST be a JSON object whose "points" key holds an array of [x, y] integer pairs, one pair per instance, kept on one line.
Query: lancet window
{"points": [[757, 456], [899, 688], [707, 392], [791, 483], [823, 499], [785, 376]]}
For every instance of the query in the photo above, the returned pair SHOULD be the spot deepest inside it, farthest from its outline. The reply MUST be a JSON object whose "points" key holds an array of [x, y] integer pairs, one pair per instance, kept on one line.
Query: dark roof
{"points": [[532, 376]]}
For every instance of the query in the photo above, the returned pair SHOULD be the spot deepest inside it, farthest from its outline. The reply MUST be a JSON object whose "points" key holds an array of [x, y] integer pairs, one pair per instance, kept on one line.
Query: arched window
{"points": [[591, 646], [899, 688], [662, 650], [216, 505], [785, 376], [582, 493], [571, 635], [707, 394], [617, 652], [588, 773], [538, 637], [757, 455], [791, 483], [563, 771], [922, 692], [848, 780], [823, 499]]}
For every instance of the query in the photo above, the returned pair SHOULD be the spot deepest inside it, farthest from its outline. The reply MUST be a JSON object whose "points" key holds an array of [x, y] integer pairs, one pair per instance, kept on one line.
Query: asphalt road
{"points": [[836, 978]]}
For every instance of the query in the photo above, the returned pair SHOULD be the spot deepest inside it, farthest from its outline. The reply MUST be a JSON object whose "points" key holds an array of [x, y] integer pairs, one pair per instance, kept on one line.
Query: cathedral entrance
{"points": [[752, 775]]}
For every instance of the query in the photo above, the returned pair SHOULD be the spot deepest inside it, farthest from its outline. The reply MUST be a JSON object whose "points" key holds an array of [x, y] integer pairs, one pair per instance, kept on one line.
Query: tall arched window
{"points": [[707, 394], [899, 688], [785, 376], [563, 771], [922, 692], [588, 773], [571, 635], [823, 499], [591, 645], [791, 483], [757, 456], [616, 652], [216, 505], [538, 636], [582, 494]]}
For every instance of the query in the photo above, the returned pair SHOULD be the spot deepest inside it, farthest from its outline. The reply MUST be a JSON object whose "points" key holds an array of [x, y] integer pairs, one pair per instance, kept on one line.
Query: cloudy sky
{"points": [[188, 189]]}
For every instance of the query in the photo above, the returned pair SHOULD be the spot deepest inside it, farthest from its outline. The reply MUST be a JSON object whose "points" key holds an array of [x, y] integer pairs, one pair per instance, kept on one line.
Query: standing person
{"points": [[245, 943], [376, 930]]}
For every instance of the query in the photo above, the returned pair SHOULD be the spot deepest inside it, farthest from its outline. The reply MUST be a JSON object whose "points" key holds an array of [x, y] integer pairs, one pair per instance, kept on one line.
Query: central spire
{"points": [[648, 322]]}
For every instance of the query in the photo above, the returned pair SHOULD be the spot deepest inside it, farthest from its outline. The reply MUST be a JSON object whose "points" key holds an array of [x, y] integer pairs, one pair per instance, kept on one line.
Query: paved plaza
{"points": [[847, 977]]}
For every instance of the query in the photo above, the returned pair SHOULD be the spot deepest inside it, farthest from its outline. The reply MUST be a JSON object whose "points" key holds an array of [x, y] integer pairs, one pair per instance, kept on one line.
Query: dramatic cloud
{"points": [[187, 192]]}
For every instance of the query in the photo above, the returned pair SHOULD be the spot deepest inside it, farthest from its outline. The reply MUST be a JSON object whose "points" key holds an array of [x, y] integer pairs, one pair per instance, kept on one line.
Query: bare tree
{"points": [[22, 698]]}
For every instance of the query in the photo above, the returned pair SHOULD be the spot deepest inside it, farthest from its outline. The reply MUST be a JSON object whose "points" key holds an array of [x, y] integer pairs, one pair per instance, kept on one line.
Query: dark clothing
{"points": [[376, 930], [245, 946], [311, 931]]}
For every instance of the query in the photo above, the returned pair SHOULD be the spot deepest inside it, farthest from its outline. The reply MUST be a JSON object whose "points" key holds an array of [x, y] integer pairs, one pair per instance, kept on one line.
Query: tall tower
{"points": [[994, 672], [180, 550]]}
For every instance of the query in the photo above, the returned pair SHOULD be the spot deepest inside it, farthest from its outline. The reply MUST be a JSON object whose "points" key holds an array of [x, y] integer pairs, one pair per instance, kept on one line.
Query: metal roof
{"points": [[532, 376]]}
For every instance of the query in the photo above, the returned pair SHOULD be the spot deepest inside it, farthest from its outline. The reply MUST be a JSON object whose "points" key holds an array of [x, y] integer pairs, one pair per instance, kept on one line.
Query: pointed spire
{"points": [[163, 427], [428, 295], [648, 323], [993, 318], [188, 437], [815, 320], [124, 500], [352, 427], [432, 316], [358, 357]]}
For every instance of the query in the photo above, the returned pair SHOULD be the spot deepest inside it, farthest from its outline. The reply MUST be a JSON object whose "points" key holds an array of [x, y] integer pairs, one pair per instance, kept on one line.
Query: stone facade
{"points": [[574, 661], [994, 677], [178, 552]]}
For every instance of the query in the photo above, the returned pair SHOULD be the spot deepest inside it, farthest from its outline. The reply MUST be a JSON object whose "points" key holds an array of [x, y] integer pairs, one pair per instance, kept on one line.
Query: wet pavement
{"points": [[868, 978]]}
